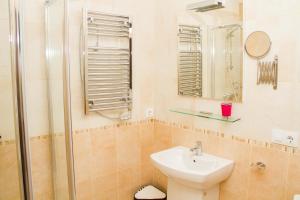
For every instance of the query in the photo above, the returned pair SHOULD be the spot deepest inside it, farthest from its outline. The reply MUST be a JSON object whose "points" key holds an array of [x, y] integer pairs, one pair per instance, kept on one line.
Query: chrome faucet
{"points": [[197, 150]]}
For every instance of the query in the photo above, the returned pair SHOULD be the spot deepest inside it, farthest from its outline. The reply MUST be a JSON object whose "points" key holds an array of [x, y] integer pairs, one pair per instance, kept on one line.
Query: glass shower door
{"points": [[56, 65], [9, 161]]}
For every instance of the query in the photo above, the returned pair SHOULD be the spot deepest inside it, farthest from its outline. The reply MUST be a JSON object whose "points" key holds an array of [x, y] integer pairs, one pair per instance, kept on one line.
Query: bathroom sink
{"points": [[202, 171]]}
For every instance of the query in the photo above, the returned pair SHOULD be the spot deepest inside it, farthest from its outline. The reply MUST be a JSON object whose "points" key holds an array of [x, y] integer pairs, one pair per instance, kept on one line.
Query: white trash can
{"points": [[297, 197], [150, 193]]}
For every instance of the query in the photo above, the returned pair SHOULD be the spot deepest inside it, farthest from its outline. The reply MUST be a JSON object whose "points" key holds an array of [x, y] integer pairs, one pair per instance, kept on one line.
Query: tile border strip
{"points": [[153, 121]]}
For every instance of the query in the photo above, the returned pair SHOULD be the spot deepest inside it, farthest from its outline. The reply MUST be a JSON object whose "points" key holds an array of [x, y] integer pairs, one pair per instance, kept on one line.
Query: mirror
{"points": [[258, 44], [218, 65]]}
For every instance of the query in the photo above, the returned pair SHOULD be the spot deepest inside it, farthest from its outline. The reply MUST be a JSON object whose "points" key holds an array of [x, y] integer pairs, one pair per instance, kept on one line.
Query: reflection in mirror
{"points": [[225, 68], [220, 65]]}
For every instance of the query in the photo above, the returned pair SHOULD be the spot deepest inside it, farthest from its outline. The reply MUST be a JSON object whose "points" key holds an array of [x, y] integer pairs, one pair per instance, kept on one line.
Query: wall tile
{"points": [[105, 187], [128, 183], [84, 190], [103, 152], [293, 179], [162, 136], [9, 181], [160, 180], [128, 147], [82, 156], [270, 183], [146, 136], [41, 163], [232, 188]]}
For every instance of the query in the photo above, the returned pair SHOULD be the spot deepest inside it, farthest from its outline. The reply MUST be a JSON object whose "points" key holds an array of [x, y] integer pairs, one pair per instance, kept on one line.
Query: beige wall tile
{"points": [[146, 135], [9, 177], [293, 179], [162, 136], [84, 190], [160, 180], [236, 186], [270, 183], [103, 152], [41, 164], [114, 160], [147, 172], [185, 137], [82, 156], [128, 182], [105, 187], [128, 147]]}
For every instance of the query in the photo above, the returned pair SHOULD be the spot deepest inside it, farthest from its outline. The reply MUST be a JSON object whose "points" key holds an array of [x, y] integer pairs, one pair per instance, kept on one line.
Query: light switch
{"points": [[284, 137]]}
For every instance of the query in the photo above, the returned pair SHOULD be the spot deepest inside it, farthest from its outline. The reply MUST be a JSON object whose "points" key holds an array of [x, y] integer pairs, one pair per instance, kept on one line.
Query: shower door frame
{"points": [[67, 106], [66, 100], [19, 99]]}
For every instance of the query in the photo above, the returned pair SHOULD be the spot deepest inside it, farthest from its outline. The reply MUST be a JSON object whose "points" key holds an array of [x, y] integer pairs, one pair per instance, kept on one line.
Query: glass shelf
{"points": [[205, 115]]}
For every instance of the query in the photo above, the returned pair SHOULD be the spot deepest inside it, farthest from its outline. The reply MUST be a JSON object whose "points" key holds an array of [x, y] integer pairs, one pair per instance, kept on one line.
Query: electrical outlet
{"points": [[149, 112], [284, 137]]}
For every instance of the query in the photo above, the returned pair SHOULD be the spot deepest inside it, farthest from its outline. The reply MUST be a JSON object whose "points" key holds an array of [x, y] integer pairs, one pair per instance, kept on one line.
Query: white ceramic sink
{"points": [[201, 172]]}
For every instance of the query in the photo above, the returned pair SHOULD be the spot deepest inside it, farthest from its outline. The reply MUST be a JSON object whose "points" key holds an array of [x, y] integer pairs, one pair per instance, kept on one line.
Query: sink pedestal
{"points": [[178, 191]]}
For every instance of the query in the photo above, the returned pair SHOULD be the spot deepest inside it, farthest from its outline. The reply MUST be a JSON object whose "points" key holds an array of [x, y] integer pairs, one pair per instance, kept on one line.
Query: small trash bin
{"points": [[150, 193]]}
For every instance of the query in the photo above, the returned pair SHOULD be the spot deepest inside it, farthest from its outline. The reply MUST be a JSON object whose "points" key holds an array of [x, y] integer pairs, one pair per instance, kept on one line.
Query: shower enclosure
{"points": [[36, 153]]}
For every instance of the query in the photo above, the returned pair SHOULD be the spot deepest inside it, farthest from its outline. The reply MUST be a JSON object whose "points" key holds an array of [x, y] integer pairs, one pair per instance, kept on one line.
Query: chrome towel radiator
{"points": [[106, 63], [189, 61]]}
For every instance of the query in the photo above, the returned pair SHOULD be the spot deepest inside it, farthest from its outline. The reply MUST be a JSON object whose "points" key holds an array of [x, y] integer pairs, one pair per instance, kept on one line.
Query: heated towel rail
{"points": [[189, 61], [106, 62]]}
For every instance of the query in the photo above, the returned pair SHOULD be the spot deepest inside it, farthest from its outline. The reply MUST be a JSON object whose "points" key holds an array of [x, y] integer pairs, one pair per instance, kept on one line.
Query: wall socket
{"points": [[149, 112], [284, 137]]}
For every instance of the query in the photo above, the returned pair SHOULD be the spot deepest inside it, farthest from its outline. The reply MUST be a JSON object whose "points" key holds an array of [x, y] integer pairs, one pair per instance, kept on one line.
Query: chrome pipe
{"points": [[100, 89], [106, 94], [108, 69], [104, 74], [107, 54], [108, 59], [108, 99], [108, 49], [108, 109], [110, 25], [106, 84], [191, 52], [106, 18], [109, 104], [109, 64], [108, 29], [191, 56], [189, 26], [106, 14], [191, 38], [110, 35]]}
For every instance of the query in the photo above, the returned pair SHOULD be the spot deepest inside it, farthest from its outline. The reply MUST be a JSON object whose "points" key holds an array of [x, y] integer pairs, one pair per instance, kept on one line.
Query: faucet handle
{"points": [[198, 143]]}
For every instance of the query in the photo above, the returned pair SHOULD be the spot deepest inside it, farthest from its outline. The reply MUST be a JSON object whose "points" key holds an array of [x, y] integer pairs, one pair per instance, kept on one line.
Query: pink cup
{"points": [[226, 109]]}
